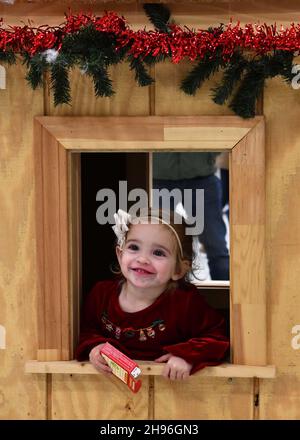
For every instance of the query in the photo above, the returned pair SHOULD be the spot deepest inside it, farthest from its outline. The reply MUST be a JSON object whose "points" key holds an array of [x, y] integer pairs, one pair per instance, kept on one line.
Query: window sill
{"points": [[151, 369], [211, 284]]}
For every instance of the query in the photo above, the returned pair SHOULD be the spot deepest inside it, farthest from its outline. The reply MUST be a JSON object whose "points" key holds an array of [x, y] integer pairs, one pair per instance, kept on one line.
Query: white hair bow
{"points": [[122, 219], [181, 211]]}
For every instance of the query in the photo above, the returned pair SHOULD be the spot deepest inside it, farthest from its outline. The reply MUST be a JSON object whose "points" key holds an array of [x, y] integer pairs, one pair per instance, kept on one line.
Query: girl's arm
{"points": [[206, 340]]}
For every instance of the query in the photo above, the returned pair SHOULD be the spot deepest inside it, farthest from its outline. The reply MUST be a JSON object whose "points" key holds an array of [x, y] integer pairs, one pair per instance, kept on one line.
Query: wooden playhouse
{"points": [[43, 151]]}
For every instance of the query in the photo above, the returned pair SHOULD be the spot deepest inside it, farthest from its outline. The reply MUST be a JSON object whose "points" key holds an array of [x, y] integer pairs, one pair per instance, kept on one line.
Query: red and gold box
{"points": [[122, 366]]}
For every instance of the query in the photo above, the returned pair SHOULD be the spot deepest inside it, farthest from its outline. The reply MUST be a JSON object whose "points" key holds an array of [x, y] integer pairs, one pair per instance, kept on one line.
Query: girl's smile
{"points": [[142, 271]]}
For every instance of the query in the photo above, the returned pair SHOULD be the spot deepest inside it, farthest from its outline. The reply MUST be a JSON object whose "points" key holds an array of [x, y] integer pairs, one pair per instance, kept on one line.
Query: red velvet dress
{"points": [[178, 322]]}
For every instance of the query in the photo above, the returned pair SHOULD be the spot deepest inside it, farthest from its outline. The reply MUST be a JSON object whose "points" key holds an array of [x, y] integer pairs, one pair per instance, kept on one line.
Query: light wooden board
{"points": [[98, 398], [92, 145], [282, 106], [283, 317], [52, 246], [203, 398], [279, 400], [151, 369], [194, 14], [170, 100], [129, 99], [22, 397], [158, 128]]}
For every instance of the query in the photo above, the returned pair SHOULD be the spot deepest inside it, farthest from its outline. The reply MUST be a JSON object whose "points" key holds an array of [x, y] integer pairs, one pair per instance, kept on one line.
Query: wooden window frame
{"points": [[58, 140]]}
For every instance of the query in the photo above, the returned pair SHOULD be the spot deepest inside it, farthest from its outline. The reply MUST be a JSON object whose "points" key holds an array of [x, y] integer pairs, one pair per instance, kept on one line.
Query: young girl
{"points": [[152, 313]]}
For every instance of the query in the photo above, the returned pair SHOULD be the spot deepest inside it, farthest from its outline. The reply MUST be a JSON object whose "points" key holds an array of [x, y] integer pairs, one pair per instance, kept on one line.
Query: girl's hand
{"points": [[176, 368], [98, 361]]}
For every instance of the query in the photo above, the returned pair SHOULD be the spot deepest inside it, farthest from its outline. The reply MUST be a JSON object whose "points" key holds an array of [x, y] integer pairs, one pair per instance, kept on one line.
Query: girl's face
{"points": [[148, 258]]}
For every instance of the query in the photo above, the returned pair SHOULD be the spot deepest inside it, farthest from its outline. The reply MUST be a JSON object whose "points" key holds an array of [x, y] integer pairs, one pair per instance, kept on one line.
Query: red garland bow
{"points": [[179, 43]]}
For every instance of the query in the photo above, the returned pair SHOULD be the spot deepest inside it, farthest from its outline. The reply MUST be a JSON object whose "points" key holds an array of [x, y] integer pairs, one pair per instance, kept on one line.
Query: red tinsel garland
{"points": [[180, 42]]}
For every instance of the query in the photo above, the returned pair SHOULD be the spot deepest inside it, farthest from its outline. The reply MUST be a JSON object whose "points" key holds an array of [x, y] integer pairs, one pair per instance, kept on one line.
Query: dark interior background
{"points": [[98, 171]]}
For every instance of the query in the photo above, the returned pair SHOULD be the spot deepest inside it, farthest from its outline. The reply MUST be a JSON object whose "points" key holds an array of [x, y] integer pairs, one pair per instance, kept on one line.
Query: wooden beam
{"points": [[52, 247], [151, 369], [247, 254]]}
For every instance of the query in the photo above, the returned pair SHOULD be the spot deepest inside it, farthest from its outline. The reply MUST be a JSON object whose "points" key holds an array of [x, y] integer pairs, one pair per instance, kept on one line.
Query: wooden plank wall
{"points": [[20, 396], [281, 399], [66, 397]]}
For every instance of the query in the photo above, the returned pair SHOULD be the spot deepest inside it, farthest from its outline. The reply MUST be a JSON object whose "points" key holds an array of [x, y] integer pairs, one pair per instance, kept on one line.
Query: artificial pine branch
{"points": [[252, 85], [94, 51], [89, 44], [8, 57], [60, 81], [201, 72], [231, 78], [101, 80], [26, 58], [37, 65], [142, 77], [281, 63], [158, 15]]}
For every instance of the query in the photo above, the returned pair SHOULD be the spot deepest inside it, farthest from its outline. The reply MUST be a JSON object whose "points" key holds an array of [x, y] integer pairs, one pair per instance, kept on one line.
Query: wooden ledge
{"points": [[151, 369], [211, 284]]}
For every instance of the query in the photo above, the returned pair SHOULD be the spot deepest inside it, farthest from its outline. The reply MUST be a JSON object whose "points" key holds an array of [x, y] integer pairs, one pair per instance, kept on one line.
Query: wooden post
{"points": [[247, 227]]}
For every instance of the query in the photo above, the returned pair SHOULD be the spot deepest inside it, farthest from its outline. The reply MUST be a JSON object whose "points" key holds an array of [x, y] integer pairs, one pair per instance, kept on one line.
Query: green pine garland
{"points": [[242, 83]]}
